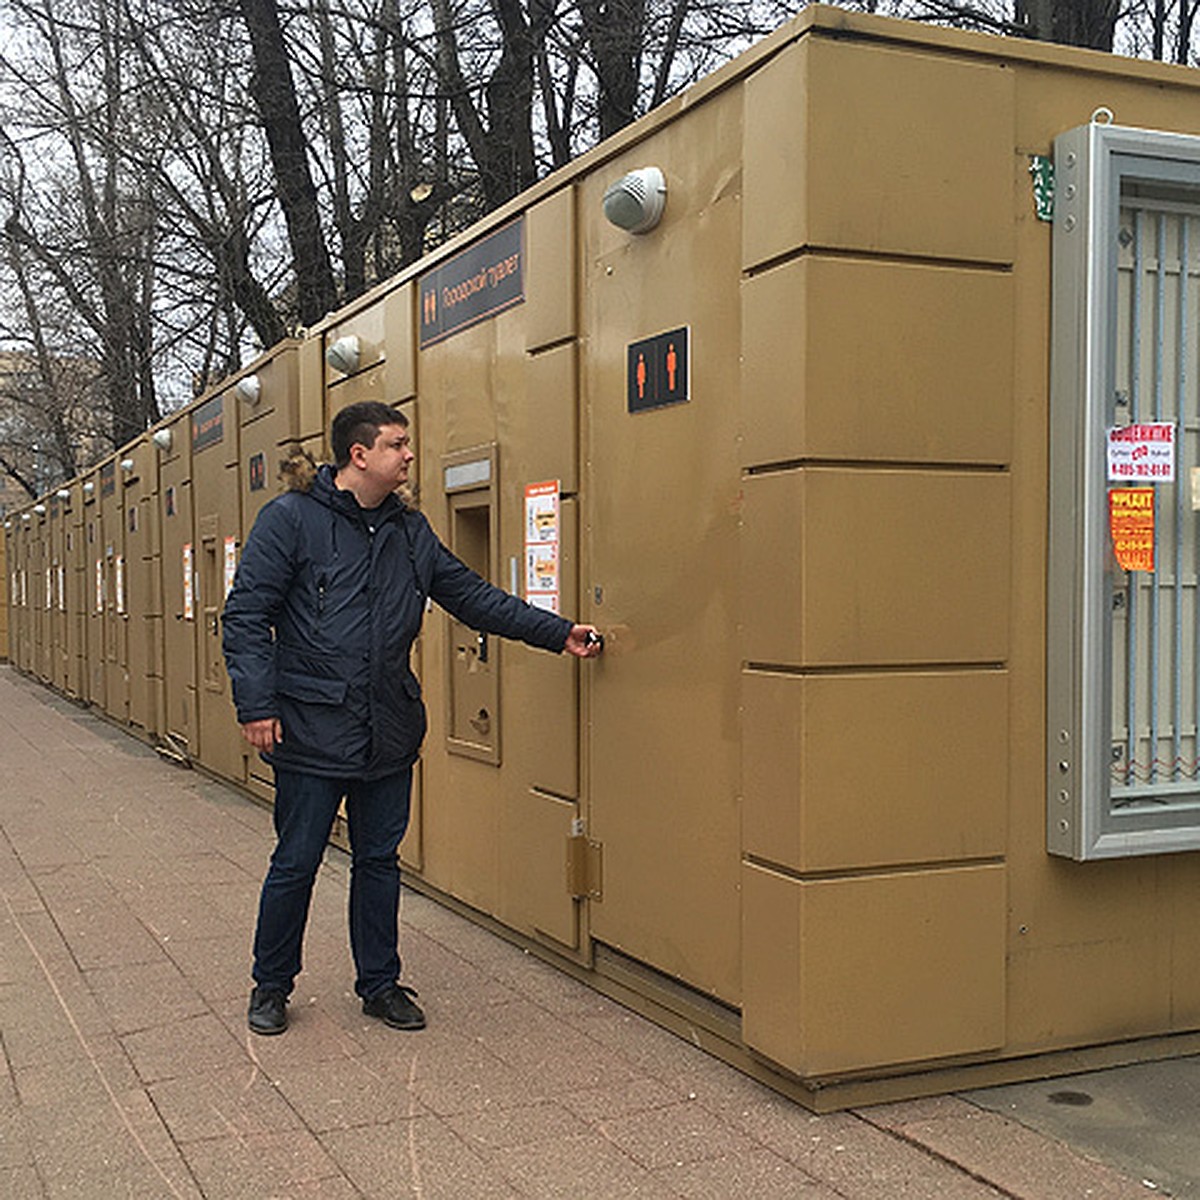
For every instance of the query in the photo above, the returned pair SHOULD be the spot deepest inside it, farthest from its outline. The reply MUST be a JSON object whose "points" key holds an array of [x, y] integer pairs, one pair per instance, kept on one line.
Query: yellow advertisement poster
{"points": [[1131, 523]]}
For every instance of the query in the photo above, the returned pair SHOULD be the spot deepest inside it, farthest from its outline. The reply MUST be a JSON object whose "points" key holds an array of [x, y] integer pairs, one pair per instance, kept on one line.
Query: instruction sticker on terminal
{"points": [[542, 533], [1145, 451], [1131, 523]]}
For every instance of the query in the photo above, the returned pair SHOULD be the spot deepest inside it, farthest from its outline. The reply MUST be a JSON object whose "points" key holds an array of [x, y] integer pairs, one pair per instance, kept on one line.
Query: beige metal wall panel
{"points": [[541, 738], [116, 588], [400, 326], [143, 597], [543, 432], [48, 598], [880, 150], [56, 518], [268, 431], [462, 379], [29, 589], [20, 611], [178, 547], [12, 550], [875, 567], [540, 758], [551, 306], [412, 847], [37, 597], [37, 593], [310, 390], [868, 360], [1051, 102], [456, 383], [533, 876], [39, 609], [19, 634], [24, 618], [42, 617], [369, 384], [776, 157], [95, 587], [369, 327], [216, 499], [845, 974], [75, 581], [6, 653], [866, 770], [499, 805], [537, 429], [1097, 955], [661, 560]]}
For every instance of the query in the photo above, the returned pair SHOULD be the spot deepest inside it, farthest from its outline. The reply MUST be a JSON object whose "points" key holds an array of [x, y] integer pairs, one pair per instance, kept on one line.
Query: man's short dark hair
{"points": [[359, 425]]}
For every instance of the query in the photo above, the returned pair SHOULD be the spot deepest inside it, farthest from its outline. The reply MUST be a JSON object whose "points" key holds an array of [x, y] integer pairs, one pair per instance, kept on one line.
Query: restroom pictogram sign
{"points": [[658, 370]]}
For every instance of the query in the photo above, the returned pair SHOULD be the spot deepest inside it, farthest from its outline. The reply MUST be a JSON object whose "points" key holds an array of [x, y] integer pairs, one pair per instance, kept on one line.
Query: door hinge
{"points": [[585, 879]]}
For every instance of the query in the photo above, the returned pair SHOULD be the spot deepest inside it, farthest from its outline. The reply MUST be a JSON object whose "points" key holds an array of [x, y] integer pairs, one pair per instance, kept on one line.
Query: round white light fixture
{"points": [[64, 493], [40, 509], [89, 488], [636, 201], [162, 439], [249, 390], [343, 355], [127, 465]]}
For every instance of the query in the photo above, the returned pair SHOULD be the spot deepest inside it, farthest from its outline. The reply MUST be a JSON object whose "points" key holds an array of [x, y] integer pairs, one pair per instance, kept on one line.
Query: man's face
{"points": [[387, 461]]}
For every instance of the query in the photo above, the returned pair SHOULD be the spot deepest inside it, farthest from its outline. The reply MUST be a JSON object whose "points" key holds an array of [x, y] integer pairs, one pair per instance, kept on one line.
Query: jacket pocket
{"points": [[310, 689]]}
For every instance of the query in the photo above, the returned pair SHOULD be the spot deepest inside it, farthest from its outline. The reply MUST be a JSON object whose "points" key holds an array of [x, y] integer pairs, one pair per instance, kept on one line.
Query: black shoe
{"points": [[396, 1008], [268, 1011]]}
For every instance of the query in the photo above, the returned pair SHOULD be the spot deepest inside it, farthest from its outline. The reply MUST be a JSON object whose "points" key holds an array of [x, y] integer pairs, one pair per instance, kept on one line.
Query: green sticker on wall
{"points": [[1042, 170]]}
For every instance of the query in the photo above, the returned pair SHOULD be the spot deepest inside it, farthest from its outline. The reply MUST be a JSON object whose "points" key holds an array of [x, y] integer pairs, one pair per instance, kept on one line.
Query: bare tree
{"points": [[94, 246], [183, 183]]}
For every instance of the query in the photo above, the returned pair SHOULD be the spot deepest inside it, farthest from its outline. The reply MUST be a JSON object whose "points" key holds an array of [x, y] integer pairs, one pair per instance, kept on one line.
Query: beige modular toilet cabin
{"points": [[876, 457]]}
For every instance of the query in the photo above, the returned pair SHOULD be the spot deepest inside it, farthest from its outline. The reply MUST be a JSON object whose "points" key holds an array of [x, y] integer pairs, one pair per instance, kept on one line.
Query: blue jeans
{"points": [[305, 806]]}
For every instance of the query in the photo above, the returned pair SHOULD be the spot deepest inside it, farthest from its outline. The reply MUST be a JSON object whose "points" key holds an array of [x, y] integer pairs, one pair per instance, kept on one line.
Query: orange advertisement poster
{"points": [[1131, 523]]}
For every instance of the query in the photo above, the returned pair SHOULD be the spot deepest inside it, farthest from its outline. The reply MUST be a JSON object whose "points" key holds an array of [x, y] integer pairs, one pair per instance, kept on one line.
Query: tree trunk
{"points": [[615, 30], [275, 95]]}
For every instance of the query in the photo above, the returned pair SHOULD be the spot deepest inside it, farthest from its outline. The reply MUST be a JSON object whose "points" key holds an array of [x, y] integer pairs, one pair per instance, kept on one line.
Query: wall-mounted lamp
{"points": [[40, 509], [26, 517], [636, 201], [343, 355], [127, 465], [162, 439], [249, 390], [89, 488], [63, 493]]}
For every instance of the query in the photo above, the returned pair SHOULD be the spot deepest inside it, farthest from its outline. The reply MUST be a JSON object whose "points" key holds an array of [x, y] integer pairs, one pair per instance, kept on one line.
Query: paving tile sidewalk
{"points": [[127, 897]]}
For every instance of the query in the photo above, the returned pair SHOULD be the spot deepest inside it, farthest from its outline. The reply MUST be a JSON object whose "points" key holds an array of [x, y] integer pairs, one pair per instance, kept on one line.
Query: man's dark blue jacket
{"points": [[322, 614]]}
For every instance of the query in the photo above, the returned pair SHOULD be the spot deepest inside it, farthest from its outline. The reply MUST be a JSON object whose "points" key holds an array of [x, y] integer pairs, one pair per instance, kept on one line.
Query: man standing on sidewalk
{"points": [[327, 600]]}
